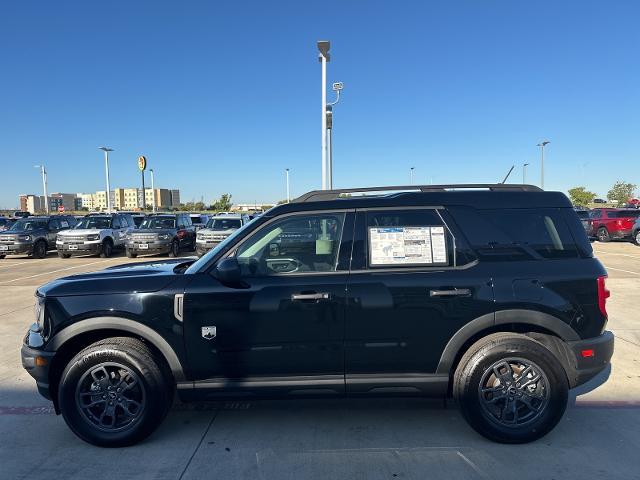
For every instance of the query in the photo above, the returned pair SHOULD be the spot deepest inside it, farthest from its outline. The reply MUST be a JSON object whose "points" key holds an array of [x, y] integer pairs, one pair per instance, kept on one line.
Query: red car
{"points": [[612, 223]]}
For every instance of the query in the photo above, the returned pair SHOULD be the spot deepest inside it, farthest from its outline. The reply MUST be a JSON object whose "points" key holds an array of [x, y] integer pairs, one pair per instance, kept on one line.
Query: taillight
{"points": [[619, 223], [603, 294]]}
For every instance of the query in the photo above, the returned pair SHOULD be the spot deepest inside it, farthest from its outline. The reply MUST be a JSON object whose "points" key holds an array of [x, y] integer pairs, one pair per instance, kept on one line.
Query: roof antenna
{"points": [[508, 173]]}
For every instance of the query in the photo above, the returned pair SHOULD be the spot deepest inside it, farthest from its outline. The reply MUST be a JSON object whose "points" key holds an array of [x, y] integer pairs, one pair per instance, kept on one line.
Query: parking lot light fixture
{"points": [[153, 192], [106, 151], [542, 145], [324, 57], [288, 195], [524, 173], [44, 186], [411, 175]]}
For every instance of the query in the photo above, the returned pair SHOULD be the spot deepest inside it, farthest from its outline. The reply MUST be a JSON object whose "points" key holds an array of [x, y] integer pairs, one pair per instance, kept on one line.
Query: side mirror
{"points": [[228, 271]]}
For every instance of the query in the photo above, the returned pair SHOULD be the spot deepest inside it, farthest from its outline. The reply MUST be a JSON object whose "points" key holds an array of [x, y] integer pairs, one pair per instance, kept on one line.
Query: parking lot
{"points": [[341, 438]]}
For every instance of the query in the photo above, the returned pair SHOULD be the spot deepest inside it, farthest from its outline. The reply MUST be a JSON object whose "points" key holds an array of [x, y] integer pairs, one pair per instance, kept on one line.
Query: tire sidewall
{"points": [[38, 250], [107, 248], [603, 234], [154, 394], [485, 358]]}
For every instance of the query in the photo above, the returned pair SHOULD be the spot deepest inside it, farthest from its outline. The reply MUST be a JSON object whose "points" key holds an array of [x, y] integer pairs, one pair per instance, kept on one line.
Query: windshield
{"points": [[224, 223], [218, 248], [26, 225], [159, 223], [94, 223]]}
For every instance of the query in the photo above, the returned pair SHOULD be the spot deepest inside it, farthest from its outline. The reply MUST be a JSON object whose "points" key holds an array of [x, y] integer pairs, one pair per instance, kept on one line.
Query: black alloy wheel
{"points": [[107, 248], [40, 249], [175, 249]]}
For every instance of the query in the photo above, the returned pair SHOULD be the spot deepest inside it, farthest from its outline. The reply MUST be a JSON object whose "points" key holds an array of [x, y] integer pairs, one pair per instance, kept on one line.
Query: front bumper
{"points": [[37, 361], [204, 247], [591, 357], [87, 248], [152, 247], [25, 248]]}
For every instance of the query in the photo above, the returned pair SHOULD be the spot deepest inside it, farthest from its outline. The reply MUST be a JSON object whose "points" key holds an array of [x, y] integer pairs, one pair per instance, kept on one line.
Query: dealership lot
{"points": [[373, 438]]}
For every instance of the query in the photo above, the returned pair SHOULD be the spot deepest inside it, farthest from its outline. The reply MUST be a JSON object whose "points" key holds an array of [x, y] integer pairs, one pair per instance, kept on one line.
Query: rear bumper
{"points": [[591, 357], [620, 234]]}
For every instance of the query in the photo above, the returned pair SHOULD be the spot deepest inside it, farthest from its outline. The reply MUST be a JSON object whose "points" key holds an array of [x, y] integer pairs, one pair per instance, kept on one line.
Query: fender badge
{"points": [[208, 333]]}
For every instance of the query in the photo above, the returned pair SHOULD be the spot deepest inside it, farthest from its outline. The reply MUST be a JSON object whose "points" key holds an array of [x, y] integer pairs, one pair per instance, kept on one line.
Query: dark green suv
{"points": [[34, 236]]}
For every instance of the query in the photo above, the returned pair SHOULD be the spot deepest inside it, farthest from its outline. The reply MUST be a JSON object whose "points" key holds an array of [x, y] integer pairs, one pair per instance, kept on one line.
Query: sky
{"points": [[222, 97]]}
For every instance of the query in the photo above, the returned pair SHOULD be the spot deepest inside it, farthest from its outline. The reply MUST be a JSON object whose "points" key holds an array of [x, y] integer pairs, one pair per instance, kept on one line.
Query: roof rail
{"points": [[323, 195]]}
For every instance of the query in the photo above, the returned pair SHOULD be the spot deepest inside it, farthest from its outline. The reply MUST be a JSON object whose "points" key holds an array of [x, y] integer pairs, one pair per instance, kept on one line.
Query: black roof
{"points": [[483, 196]]}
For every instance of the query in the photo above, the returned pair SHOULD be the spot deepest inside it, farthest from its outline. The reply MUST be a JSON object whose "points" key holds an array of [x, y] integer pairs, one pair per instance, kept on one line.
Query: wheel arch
{"points": [[514, 320], [69, 341]]}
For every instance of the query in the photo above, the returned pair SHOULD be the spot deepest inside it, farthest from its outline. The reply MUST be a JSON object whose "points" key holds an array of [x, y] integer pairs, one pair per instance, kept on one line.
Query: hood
{"points": [[217, 232], [144, 277], [79, 231]]}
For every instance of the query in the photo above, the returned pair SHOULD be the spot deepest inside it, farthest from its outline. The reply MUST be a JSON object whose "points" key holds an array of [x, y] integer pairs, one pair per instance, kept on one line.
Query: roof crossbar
{"points": [[324, 195]]}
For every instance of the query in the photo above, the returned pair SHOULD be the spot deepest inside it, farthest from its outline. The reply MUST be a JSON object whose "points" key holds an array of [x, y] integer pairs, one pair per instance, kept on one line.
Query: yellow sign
{"points": [[142, 163]]}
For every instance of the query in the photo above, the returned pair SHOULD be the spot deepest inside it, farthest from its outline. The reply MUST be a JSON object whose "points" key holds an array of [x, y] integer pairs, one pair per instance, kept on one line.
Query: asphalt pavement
{"points": [[308, 439]]}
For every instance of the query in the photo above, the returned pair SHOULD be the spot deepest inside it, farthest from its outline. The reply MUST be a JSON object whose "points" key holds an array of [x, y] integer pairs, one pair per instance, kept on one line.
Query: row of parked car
{"points": [[103, 233], [606, 224]]}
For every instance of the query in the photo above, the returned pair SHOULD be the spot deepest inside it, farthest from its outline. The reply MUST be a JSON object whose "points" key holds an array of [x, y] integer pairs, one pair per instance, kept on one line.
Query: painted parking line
{"points": [[597, 252], [621, 270], [53, 271], [14, 264]]}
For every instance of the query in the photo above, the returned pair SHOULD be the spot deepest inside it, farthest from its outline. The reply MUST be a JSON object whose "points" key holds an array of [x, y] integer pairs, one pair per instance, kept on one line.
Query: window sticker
{"points": [[407, 246]]}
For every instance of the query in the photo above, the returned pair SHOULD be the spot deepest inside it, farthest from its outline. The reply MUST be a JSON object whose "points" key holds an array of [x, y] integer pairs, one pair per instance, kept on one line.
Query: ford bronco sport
{"points": [[486, 293]]}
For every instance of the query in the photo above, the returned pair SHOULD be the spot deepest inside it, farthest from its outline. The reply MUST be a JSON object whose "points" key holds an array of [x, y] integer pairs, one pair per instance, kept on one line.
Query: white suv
{"points": [[217, 229], [95, 234]]}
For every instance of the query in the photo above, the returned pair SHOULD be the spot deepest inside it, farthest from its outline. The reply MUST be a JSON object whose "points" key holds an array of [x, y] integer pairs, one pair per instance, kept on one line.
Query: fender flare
{"points": [[126, 325], [502, 317]]}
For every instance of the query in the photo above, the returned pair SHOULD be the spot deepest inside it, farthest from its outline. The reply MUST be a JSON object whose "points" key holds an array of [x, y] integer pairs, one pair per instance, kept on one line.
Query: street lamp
{"points": [[337, 87], [106, 151], [524, 173], [153, 191], [286, 170], [542, 145], [44, 186], [411, 175], [324, 57]]}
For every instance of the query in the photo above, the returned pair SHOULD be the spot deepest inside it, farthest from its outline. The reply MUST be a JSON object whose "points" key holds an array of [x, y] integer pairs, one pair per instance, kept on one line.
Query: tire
{"points": [[2, 257], [603, 235], [64, 255], [486, 400], [175, 249], [193, 246], [636, 237], [40, 249], [130, 254], [117, 418], [107, 248]]}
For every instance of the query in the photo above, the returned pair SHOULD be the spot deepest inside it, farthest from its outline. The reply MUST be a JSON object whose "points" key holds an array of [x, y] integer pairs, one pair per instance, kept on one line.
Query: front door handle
{"points": [[309, 296], [455, 292]]}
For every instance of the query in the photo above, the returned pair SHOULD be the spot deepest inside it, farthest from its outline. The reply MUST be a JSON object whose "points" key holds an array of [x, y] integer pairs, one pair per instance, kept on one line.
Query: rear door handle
{"points": [[309, 296], [455, 292]]}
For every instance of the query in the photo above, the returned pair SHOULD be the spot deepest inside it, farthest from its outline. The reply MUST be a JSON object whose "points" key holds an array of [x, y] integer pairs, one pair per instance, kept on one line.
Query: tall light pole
{"points": [[323, 47], [153, 192], [542, 145], [106, 151], [337, 87], [286, 171], [411, 175], [524, 173], [44, 186]]}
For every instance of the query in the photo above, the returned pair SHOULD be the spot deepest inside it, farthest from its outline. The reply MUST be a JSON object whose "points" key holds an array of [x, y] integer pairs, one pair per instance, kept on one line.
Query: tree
{"points": [[580, 196], [223, 204], [622, 192]]}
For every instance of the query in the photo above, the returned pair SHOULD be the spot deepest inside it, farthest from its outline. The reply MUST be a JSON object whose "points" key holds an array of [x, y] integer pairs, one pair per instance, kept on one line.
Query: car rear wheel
{"points": [[40, 249], [107, 248], [114, 393], [64, 255], [175, 249], [603, 235], [511, 388], [636, 237]]}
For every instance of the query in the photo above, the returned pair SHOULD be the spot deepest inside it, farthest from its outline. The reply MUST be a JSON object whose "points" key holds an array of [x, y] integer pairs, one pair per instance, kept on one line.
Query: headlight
{"points": [[24, 237], [58, 238], [164, 236], [94, 237], [38, 310]]}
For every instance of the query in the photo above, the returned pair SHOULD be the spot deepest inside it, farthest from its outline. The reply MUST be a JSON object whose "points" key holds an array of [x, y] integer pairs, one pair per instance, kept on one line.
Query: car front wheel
{"points": [[114, 393], [511, 388], [603, 235]]}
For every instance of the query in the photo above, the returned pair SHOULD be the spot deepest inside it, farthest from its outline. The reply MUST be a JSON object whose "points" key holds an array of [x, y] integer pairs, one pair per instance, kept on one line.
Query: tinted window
{"points": [[543, 231], [583, 214], [54, 224], [624, 214], [224, 223], [159, 222], [296, 244], [26, 225], [116, 222], [596, 214]]}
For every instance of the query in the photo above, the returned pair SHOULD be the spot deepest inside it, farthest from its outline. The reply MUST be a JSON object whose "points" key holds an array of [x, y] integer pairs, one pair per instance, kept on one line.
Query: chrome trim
{"points": [[178, 305]]}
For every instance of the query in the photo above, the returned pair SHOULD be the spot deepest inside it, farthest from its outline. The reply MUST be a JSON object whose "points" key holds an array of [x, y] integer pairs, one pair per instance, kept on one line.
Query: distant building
{"points": [[66, 200], [29, 203], [87, 200], [174, 198], [251, 207]]}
